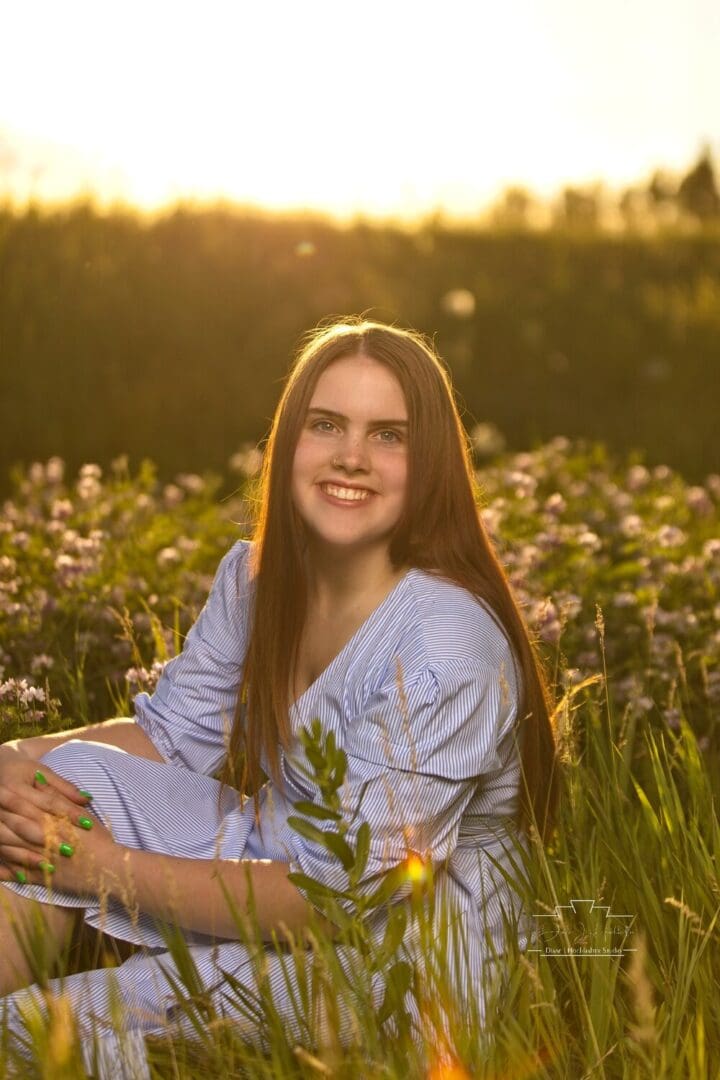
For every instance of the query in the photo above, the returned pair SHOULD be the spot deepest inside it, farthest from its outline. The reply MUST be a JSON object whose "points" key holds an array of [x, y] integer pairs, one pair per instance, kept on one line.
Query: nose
{"points": [[351, 454]]}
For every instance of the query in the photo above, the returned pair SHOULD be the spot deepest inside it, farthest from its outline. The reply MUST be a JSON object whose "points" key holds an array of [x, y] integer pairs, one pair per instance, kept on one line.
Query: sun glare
{"points": [[310, 105]]}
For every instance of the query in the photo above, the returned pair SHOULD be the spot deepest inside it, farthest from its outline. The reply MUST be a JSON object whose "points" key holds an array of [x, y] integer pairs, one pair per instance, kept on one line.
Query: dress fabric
{"points": [[423, 699]]}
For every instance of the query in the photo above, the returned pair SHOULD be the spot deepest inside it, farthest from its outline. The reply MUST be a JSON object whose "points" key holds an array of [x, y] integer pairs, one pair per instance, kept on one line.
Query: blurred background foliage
{"points": [[168, 336]]}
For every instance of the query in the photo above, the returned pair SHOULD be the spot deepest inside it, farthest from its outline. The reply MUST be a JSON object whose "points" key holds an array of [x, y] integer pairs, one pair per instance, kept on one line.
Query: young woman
{"points": [[370, 597]]}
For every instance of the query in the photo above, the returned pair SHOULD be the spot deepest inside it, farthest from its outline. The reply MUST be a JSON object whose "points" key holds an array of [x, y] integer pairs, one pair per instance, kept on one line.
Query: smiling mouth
{"points": [[345, 493]]}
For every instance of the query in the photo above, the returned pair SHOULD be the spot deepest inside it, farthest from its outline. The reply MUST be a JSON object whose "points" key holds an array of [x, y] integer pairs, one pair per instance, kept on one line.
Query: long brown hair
{"points": [[440, 531]]}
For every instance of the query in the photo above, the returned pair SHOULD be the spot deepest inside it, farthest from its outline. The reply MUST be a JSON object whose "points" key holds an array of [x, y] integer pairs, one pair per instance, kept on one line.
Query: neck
{"points": [[340, 583]]}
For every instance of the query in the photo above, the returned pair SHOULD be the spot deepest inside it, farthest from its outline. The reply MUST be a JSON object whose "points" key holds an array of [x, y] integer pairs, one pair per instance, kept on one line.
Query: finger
{"points": [[50, 834], [46, 777], [33, 802], [15, 829], [27, 875], [20, 858]]}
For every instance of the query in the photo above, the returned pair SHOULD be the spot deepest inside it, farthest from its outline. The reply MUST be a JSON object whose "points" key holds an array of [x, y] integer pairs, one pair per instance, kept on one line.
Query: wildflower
{"points": [[711, 548], [555, 504], [169, 556], [41, 662], [247, 461], [144, 679], [487, 440], [88, 486], [90, 472], [546, 541], [61, 509], [172, 495], [546, 621], [187, 545], [625, 599], [631, 525], [193, 484], [522, 483], [32, 693], [672, 718], [119, 465], [670, 536], [698, 500], [36, 473], [55, 470], [637, 478], [589, 540]]}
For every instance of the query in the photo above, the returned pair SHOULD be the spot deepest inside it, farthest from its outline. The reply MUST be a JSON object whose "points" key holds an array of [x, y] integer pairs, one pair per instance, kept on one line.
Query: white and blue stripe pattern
{"points": [[435, 763]]}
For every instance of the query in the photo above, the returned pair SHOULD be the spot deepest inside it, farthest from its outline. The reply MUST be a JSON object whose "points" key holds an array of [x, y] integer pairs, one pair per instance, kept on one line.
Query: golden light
{"points": [[416, 869], [398, 112]]}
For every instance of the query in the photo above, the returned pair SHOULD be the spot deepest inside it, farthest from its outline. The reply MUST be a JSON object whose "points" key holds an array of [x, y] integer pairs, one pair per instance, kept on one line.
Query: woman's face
{"points": [[349, 476]]}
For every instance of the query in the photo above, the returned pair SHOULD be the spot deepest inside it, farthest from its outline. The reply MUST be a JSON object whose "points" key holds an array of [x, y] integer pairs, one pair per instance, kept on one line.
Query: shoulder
{"points": [[234, 565], [453, 626]]}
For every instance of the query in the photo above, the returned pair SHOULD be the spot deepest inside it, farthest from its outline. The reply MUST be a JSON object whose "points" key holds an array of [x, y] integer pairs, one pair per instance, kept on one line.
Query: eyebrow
{"points": [[374, 423]]}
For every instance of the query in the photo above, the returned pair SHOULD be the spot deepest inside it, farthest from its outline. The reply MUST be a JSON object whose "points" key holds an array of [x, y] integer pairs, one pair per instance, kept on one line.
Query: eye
{"points": [[317, 425], [394, 436]]}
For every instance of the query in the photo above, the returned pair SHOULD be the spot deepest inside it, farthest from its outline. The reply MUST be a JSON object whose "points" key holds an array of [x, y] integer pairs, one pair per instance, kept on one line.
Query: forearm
{"points": [[200, 894], [122, 732]]}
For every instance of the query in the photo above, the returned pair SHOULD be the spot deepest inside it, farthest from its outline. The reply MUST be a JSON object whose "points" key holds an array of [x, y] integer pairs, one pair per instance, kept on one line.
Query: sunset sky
{"points": [[385, 108]]}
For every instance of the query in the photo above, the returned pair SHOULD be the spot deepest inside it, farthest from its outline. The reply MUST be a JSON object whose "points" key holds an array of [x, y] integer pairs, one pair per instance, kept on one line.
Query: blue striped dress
{"points": [[433, 767]]}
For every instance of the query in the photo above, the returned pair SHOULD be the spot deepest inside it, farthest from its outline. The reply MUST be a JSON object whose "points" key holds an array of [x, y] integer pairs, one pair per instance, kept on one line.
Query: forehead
{"points": [[361, 383]]}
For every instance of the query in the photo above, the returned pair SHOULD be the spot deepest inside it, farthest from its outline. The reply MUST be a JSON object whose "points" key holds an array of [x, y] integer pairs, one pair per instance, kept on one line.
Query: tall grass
{"points": [[595, 995], [618, 569]]}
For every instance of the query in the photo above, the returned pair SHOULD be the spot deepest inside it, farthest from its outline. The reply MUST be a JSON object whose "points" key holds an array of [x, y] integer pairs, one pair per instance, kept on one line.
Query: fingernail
{"points": [[66, 850], [85, 823], [48, 866], [21, 877], [40, 778], [85, 794]]}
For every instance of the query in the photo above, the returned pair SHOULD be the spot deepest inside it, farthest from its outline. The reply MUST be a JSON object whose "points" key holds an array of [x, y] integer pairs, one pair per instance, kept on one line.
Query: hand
{"points": [[75, 854], [22, 774], [28, 792]]}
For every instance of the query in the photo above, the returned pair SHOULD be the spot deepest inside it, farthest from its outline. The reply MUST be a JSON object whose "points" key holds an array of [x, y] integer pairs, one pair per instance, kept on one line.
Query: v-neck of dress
{"points": [[351, 641]]}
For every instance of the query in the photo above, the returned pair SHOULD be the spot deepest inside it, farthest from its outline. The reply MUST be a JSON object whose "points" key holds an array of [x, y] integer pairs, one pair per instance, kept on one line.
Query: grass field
{"points": [[618, 571]]}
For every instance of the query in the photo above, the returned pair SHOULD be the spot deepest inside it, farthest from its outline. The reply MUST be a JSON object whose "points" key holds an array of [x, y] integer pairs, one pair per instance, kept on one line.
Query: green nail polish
{"points": [[85, 794], [46, 866], [21, 877], [85, 823], [40, 778], [66, 850]]}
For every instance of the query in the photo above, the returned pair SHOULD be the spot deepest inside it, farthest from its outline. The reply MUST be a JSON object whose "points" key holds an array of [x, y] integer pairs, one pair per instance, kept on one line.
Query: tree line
{"points": [[168, 337]]}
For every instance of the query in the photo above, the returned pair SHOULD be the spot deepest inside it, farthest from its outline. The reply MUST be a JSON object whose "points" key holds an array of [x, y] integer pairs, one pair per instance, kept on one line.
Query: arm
{"points": [[122, 732], [210, 896], [184, 721], [190, 714]]}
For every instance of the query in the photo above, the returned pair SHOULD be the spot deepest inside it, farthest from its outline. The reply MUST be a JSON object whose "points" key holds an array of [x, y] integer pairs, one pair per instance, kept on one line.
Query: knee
{"points": [[80, 761]]}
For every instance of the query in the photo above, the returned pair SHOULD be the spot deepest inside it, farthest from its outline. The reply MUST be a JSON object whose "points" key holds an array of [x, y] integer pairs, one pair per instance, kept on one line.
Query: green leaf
{"points": [[399, 979], [394, 932], [391, 882], [341, 848], [307, 829], [313, 887], [303, 806], [362, 851]]}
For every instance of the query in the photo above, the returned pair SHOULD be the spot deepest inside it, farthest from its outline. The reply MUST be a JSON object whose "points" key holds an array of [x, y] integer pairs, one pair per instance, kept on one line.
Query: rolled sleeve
{"points": [[190, 714], [415, 759]]}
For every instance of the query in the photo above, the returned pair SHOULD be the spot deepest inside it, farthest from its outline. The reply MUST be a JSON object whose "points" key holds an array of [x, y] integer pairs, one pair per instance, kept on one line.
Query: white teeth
{"points": [[350, 494]]}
